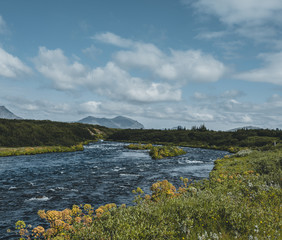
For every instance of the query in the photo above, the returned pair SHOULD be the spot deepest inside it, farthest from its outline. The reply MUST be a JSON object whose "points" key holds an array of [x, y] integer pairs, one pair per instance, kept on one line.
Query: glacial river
{"points": [[103, 173]]}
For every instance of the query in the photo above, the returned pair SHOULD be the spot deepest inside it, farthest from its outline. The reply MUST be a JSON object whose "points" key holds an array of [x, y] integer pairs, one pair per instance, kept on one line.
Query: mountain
{"points": [[244, 128], [5, 113], [117, 122]]}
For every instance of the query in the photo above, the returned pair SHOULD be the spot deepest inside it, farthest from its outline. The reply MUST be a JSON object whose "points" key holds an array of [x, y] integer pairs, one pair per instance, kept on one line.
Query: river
{"points": [[103, 173]]}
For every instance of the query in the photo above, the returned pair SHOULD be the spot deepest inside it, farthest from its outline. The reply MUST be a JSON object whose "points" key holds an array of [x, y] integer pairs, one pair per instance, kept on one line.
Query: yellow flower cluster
{"points": [[38, 231], [104, 210], [62, 223], [162, 188]]}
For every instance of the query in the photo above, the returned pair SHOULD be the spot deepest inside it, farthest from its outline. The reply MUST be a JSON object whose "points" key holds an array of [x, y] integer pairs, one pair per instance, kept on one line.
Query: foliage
{"points": [[241, 200], [25, 137], [201, 137], [158, 152], [31, 133]]}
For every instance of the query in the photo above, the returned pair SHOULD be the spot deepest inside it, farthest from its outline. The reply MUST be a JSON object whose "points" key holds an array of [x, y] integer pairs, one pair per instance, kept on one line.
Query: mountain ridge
{"points": [[244, 128], [7, 114], [116, 122]]}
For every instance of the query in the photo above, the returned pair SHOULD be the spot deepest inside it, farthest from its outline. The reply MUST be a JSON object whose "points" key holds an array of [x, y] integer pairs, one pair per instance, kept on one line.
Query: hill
{"points": [[31, 133], [117, 122], [5, 113]]}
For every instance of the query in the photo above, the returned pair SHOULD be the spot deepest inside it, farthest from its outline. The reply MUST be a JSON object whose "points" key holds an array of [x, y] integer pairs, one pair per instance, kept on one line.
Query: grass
{"points": [[158, 152], [240, 200], [5, 151]]}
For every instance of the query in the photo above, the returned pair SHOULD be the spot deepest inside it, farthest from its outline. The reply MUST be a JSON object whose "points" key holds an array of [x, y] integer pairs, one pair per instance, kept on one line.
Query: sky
{"points": [[163, 63]]}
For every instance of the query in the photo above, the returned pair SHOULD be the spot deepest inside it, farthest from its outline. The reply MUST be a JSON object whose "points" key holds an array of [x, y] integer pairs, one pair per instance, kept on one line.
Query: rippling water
{"points": [[102, 173]]}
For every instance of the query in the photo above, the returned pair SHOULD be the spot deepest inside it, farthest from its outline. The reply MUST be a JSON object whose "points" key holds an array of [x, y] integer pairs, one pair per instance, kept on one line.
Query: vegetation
{"points": [[32, 136], [4, 152], [263, 139], [158, 152], [241, 200]]}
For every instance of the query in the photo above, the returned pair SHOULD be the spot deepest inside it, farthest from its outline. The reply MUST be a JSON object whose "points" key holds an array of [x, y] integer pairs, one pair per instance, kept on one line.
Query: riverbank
{"points": [[5, 151], [240, 200]]}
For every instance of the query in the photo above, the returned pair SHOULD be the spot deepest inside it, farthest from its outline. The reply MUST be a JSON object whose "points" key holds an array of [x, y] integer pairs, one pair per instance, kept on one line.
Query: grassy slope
{"points": [[241, 200], [19, 137]]}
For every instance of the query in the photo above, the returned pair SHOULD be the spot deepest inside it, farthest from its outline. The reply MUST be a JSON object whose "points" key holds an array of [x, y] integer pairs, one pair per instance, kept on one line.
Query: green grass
{"points": [[240, 200], [5, 152], [158, 152]]}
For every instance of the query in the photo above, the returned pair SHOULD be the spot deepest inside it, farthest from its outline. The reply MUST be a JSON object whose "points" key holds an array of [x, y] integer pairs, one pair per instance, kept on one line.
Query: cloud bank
{"points": [[117, 80]]}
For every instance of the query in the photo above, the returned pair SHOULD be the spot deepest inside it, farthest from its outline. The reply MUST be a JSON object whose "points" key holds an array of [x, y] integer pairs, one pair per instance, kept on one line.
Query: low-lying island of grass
{"points": [[158, 152], [240, 200]]}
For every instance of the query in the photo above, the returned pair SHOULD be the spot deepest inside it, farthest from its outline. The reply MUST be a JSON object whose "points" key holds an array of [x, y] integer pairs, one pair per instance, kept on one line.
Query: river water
{"points": [[103, 173]]}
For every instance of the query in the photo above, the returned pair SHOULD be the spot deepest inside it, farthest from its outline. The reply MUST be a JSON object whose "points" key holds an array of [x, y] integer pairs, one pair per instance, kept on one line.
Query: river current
{"points": [[104, 172]]}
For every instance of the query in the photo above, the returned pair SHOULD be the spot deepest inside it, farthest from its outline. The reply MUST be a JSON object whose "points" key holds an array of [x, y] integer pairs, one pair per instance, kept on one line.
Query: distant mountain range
{"points": [[244, 128], [5, 113], [117, 122]]}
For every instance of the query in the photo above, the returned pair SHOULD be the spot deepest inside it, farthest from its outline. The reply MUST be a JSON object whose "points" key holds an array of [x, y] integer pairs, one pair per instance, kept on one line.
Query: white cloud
{"points": [[228, 110], [232, 12], [180, 66], [258, 20], [55, 65], [110, 81], [90, 107], [271, 72], [11, 66], [116, 83], [113, 39], [142, 55]]}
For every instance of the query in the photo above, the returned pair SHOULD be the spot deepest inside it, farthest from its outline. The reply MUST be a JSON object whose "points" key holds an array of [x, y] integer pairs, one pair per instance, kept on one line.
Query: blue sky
{"points": [[162, 62]]}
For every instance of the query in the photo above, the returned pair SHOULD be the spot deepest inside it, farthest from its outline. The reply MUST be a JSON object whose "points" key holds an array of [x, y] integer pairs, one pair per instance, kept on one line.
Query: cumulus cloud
{"points": [[118, 84], [179, 66], [90, 107], [117, 81], [110, 81], [11, 66], [55, 65], [271, 72]]}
